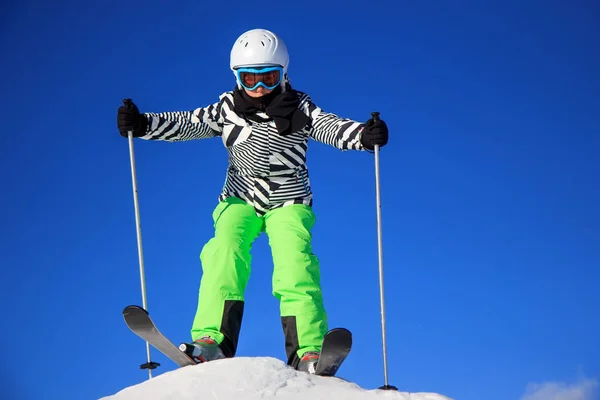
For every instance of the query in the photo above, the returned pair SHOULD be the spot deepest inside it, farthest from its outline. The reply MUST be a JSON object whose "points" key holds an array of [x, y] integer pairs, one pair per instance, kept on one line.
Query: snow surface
{"points": [[250, 378]]}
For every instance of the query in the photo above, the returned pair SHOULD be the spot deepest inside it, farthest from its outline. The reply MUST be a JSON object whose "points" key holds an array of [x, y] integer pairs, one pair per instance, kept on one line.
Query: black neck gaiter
{"points": [[282, 107]]}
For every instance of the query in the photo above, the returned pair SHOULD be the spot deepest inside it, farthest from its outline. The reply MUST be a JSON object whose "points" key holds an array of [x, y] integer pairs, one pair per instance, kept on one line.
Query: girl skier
{"points": [[265, 126]]}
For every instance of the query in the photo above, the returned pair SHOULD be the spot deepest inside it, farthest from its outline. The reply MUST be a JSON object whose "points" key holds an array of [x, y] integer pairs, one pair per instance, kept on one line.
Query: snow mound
{"points": [[252, 378]]}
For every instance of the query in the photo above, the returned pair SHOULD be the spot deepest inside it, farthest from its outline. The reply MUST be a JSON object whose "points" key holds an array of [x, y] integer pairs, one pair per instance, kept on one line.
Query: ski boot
{"points": [[308, 362], [203, 350]]}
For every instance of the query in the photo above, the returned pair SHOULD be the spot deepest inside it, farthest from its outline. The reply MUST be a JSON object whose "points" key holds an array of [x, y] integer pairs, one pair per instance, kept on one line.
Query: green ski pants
{"points": [[226, 260]]}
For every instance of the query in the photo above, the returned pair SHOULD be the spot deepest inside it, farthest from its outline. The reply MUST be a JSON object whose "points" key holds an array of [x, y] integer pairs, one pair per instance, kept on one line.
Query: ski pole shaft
{"points": [[375, 116], [137, 222], [138, 227]]}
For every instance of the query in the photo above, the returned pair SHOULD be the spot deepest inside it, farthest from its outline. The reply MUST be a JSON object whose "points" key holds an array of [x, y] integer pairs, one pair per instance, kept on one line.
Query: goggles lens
{"points": [[252, 78]]}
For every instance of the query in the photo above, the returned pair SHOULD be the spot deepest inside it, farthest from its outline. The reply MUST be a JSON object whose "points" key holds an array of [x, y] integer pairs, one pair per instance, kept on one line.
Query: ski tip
{"points": [[340, 331], [133, 308]]}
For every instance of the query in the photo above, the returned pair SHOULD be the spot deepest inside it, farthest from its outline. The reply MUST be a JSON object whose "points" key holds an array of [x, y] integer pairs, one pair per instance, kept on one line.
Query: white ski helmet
{"points": [[258, 47]]}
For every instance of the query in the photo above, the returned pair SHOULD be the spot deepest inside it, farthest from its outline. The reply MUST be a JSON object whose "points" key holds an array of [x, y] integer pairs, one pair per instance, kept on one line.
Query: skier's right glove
{"points": [[129, 118]]}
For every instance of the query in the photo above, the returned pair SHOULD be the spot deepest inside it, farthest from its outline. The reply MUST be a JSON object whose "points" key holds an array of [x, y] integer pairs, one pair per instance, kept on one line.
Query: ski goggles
{"points": [[267, 77]]}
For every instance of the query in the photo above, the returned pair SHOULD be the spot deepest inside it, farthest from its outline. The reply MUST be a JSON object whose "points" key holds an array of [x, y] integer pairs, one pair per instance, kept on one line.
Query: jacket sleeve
{"points": [[328, 128], [177, 126]]}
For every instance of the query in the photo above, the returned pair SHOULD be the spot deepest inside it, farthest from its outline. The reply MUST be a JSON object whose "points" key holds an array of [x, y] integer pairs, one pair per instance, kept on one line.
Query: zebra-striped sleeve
{"points": [[177, 126], [330, 129]]}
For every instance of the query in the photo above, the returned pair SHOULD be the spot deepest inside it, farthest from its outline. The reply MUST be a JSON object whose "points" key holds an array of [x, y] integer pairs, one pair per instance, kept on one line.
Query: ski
{"points": [[336, 347], [337, 342], [140, 323]]}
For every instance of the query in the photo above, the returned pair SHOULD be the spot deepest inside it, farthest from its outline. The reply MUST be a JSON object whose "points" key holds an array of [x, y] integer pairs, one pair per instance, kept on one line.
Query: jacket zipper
{"points": [[301, 176]]}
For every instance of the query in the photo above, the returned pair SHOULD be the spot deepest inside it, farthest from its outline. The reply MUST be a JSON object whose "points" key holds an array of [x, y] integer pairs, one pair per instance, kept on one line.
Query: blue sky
{"points": [[489, 188]]}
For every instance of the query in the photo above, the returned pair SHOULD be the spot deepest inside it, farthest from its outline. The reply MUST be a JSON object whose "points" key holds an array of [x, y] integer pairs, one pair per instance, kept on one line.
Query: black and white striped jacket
{"points": [[267, 170]]}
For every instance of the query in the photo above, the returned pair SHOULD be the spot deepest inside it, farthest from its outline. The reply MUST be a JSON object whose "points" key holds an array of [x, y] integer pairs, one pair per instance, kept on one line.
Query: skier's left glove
{"points": [[374, 132]]}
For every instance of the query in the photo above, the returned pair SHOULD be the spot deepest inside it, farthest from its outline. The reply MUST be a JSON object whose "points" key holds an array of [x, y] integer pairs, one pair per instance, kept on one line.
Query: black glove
{"points": [[130, 119], [374, 132]]}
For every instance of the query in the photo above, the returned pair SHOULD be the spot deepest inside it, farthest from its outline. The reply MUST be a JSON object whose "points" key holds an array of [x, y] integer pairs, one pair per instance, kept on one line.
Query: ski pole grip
{"points": [[128, 104], [375, 115]]}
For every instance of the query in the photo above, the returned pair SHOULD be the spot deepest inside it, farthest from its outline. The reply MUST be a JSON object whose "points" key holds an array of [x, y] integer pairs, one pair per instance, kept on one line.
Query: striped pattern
{"points": [[266, 169]]}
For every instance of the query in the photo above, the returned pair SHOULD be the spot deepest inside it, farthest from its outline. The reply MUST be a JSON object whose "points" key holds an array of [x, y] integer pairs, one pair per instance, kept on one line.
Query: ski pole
{"points": [[149, 365], [386, 386]]}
